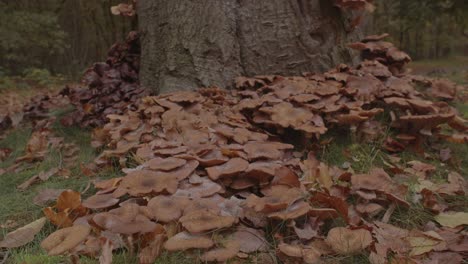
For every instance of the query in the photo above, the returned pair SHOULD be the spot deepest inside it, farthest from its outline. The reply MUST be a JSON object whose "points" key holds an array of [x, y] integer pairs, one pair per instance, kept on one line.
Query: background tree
{"points": [[62, 36], [188, 44], [427, 29]]}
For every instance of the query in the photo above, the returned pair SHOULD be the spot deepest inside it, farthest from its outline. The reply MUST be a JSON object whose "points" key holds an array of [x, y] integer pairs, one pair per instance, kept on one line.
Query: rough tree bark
{"points": [[193, 43]]}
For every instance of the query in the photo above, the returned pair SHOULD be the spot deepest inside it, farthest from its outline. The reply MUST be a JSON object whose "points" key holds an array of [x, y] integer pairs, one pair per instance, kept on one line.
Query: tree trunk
{"points": [[193, 43]]}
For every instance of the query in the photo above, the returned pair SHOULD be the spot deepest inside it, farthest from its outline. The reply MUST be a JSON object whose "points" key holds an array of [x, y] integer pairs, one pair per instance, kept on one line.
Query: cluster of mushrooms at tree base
{"points": [[215, 172]]}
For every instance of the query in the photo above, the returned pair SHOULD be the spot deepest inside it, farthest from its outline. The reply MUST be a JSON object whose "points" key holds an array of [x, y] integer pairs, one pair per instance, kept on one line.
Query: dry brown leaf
{"points": [[23, 235], [346, 241], [46, 195]]}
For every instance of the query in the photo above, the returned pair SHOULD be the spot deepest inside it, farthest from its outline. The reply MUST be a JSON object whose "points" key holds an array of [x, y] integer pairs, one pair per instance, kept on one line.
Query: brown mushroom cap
{"points": [[232, 167], [262, 171], [142, 182], [277, 199], [100, 201], [184, 241], [265, 150], [127, 219], [106, 184], [205, 220], [167, 208], [204, 188], [115, 224], [286, 115], [166, 164], [65, 239], [375, 68]]}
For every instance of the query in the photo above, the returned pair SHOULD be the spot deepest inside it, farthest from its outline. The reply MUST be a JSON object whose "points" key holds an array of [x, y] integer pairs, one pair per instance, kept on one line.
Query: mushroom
{"points": [[265, 150], [167, 208], [417, 123], [204, 188], [142, 182], [65, 239], [100, 201], [368, 87], [286, 115], [232, 167], [184, 241], [166, 164], [205, 220], [277, 199], [124, 220], [375, 68], [443, 89], [262, 171], [212, 158]]}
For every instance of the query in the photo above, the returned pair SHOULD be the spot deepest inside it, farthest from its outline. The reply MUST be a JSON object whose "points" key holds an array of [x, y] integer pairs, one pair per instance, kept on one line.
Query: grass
{"points": [[17, 205], [454, 68]]}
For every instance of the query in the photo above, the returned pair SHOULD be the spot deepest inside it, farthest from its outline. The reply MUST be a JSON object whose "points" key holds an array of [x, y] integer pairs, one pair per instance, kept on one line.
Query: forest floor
{"points": [[17, 209]]}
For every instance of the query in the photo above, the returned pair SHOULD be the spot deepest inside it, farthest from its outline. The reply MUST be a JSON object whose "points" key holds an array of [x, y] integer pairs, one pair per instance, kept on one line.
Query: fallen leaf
{"points": [[23, 235], [46, 195], [452, 219], [346, 241], [424, 242]]}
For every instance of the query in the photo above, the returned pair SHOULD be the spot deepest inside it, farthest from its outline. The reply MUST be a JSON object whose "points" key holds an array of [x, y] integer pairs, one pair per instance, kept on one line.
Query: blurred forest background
{"points": [[43, 39]]}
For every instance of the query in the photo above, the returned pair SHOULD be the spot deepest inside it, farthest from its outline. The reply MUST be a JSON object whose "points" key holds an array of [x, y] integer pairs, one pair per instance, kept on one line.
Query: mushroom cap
{"points": [[205, 220], [204, 188], [166, 164], [107, 184], [185, 240], [140, 182], [115, 224], [286, 115], [278, 198], [127, 219], [100, 201], [262, 171], [167, 208], [65, 239], [375, 68], [232, 167], [265, 150]]}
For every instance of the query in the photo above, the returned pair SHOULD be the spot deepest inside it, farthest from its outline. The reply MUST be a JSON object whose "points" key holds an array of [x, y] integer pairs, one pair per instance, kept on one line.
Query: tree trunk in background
{"points": [[188, 44]]}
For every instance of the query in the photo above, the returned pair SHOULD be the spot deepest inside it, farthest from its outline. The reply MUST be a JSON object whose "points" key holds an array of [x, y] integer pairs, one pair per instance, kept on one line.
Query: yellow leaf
{"points": [[452, 219], [422, 244]]}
